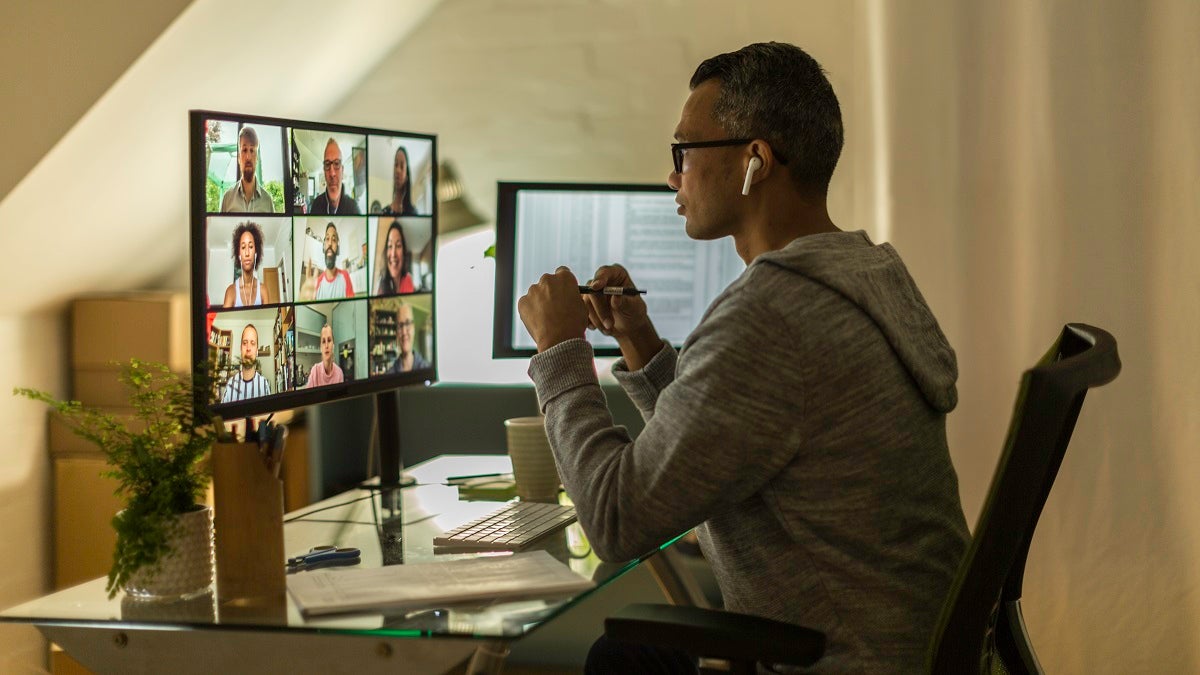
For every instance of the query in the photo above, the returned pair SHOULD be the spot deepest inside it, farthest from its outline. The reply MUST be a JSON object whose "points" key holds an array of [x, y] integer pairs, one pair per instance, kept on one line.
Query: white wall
{"points": [[37, 342], [69, 55]]}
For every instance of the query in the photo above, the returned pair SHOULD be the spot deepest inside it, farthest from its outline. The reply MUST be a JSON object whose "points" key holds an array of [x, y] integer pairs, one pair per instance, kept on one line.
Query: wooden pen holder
{"points": [[248, 519]]}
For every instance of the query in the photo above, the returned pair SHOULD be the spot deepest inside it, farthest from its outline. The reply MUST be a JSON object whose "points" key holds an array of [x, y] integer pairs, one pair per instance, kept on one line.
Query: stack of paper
{"points": [[433, 584]]}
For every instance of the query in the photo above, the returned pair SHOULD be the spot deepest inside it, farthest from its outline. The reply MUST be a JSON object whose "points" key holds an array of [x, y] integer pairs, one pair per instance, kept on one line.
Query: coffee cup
{"points": [[534, 470]]}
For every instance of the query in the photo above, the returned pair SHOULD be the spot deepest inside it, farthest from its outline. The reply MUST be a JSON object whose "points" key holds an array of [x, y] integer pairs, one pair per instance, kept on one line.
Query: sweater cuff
{"points": [[563, 367], [643, 386]]}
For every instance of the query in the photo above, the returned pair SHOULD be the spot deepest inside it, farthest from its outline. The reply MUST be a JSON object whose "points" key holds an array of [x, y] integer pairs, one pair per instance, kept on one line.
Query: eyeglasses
{"points": [[678, 148], [332, 164], [405, 324]]}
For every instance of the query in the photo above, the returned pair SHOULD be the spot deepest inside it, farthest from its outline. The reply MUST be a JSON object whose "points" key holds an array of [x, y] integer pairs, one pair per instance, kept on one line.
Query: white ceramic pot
{"points": [[187, 570]]}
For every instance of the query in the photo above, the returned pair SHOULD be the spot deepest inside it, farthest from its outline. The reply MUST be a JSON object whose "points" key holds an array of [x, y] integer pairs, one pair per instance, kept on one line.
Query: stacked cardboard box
{"points": [[105, 332]]}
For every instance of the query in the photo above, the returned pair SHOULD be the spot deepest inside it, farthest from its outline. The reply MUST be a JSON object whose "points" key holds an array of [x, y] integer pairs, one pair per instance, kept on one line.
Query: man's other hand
{"points": [[552, 310], [624, 317], [618, 316]]}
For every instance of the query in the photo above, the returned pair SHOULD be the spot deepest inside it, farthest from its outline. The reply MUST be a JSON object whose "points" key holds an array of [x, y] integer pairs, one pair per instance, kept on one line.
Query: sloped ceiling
{"points": [[106, 207], [67, 60]]}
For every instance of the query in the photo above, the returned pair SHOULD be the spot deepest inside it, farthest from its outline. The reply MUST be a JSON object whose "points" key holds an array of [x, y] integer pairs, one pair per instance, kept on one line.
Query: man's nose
{"points": [[673, 181]]}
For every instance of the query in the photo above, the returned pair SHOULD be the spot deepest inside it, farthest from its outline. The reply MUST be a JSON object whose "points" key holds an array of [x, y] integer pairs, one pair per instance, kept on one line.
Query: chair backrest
{"points": [[981, 629]]}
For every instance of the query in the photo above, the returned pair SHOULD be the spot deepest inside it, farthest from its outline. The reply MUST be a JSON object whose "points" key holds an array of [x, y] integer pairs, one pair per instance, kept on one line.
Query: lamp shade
{"points": [[454, 212]]}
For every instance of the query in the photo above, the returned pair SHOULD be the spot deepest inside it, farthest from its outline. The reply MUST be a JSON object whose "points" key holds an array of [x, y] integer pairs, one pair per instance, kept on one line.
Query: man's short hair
{"points": [[248, 135], [251, 327], [401, 305], [256, 233], [777, 92]]}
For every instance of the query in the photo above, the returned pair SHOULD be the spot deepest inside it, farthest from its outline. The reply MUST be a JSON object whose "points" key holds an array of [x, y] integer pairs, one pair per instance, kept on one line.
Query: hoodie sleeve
{"points": [[643, 386], [714, 439]]}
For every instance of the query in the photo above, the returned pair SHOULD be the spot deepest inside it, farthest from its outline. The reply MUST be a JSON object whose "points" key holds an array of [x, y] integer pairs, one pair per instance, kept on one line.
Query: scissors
{"points": [[324, 556]]}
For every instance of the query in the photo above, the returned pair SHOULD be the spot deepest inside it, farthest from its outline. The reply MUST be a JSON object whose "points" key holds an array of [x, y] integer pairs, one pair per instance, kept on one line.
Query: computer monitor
{"points": [[312, 260], [540, 226]]}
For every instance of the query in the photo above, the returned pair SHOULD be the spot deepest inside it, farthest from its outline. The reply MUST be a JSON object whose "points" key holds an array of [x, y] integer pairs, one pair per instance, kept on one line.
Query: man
{"points": [[334, 199], [247, 196], [332, 282], [801, 429], [247, 382], [409, 359], [325, 372]]}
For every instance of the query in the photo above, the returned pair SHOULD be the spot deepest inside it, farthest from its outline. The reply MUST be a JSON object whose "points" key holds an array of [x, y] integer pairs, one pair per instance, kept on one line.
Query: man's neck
{"points": [[248, 374], [778, 223], [333, 201], [248, 187], [330, 273]]}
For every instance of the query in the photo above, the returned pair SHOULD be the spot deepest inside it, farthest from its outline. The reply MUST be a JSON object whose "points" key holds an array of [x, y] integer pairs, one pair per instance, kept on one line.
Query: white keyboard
{"points": [[510, 528]]}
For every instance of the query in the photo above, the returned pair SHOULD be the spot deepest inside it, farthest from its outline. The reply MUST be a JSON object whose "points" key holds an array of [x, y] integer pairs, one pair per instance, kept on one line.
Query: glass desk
{"points": [[204, 635]]}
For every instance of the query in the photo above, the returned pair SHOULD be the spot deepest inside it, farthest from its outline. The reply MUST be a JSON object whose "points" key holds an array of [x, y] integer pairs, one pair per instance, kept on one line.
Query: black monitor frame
{"points": [[200, 307], [506, 237]]}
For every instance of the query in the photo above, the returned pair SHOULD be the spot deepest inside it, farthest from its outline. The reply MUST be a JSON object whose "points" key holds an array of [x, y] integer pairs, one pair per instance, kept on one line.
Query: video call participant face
{"points": [[333, 171], [247, 253], [331, 247], [249, 347], [395, 253], [400, 172], [404, 330], [326, 344], [248, 154]]}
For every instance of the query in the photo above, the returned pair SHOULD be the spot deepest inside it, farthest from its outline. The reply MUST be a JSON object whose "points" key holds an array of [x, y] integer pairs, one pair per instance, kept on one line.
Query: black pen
{"points": [[450, 479], [611, 290]]}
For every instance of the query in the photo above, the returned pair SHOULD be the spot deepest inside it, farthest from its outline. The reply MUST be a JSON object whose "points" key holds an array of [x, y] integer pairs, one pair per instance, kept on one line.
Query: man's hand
{"points": [[552, 309], [623, 317], [308, 282]]}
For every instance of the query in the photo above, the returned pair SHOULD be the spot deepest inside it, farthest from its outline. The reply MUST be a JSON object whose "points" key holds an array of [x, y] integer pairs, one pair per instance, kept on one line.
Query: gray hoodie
{"points": [[802, 431]]}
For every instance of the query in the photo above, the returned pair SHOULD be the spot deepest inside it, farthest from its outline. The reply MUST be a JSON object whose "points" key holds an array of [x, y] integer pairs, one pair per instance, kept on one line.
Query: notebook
{"points": [[534, 574]]}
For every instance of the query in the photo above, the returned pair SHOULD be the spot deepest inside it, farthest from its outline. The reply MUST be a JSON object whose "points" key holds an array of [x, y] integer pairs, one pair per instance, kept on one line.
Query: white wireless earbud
{"points": [[755, 164]]}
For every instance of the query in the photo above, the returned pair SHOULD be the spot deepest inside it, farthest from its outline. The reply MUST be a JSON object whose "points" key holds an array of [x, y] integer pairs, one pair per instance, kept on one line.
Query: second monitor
{"points": [[540, 226]]}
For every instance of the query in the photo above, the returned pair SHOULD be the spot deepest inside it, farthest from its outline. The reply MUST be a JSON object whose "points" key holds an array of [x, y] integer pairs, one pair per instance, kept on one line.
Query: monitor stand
{"points": [[391, 478], [391, 463]]}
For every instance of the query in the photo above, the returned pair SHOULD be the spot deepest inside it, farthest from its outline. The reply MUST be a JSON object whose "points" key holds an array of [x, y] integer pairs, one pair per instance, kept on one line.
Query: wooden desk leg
{"points": [[676, 582], [488, 658]]}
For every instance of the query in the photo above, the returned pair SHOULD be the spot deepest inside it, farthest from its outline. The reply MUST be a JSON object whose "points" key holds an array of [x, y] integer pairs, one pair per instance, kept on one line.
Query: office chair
{"points": [[980, 629]]}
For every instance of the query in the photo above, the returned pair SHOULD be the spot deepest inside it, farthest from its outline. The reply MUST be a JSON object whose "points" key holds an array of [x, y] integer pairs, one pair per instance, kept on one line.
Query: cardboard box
{"points": [[153, 326], [108, 330], [64, 443], [84, 506]]}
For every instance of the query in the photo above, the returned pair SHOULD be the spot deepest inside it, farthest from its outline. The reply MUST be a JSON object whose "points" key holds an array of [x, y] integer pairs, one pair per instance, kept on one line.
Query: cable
{"points": [[327, 508]]}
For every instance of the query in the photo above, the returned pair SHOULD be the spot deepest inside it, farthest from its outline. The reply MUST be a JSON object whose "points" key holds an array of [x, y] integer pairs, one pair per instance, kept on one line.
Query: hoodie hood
{"points": [[876, 280]]}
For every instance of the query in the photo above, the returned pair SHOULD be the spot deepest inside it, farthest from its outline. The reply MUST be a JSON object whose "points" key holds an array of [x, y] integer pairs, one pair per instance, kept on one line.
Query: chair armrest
{"points": [[715, 634]]}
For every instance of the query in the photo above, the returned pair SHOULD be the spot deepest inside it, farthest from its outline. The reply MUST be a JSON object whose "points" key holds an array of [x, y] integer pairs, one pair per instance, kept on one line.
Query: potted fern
{"points": [[164, 533]]}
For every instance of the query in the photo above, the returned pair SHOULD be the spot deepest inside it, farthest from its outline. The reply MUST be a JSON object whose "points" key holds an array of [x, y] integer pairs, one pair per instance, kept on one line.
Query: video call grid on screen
{"points": [[313, 251], [540, 226]]}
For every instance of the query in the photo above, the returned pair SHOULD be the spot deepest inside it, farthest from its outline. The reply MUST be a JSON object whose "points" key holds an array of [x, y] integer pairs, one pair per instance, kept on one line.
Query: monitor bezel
{"points": [[504, 315], [199, 308]]}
